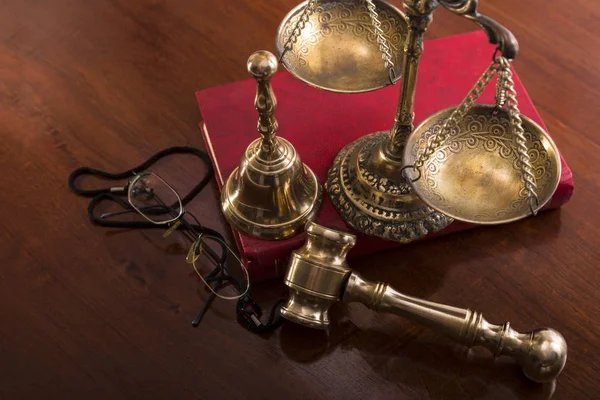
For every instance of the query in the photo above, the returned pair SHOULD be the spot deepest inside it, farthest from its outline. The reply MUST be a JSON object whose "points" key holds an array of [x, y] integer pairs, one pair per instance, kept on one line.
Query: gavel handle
{"points": [[542, 353]]}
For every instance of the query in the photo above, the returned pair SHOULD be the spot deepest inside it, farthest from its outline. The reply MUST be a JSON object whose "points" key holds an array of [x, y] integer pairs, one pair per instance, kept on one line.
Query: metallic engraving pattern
{"points": [[457, 114], [299, 25], [490, 134], [338, 18], [374, 180], [383, 46], [368, 215]]}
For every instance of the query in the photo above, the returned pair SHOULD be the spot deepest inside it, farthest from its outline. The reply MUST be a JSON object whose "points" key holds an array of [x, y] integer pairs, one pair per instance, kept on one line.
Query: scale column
{"points": [[365, 182], [420, 14]]}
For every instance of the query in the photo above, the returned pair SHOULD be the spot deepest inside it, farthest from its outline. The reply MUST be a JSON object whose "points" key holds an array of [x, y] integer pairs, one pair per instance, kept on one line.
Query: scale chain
{"points": [[519, 135], [302, 21], [459, 112], [505, 96], [381, 40], [501, 89]]}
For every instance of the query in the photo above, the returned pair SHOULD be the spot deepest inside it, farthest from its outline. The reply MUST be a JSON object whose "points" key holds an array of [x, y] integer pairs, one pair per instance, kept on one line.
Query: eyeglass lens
{"points": [[233, 274], [154, 198]]}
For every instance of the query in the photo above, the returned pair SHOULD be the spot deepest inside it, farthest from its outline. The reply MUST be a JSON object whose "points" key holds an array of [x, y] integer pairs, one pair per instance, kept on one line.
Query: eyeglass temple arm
{"points": [[115, 213]]}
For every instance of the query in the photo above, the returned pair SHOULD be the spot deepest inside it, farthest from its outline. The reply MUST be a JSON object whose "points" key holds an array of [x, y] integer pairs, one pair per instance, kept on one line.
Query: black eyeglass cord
{"points": [[248, 312]]}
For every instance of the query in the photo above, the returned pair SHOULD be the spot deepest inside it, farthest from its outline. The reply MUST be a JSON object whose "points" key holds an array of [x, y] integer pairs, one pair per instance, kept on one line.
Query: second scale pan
{"points": [[475, 175]]}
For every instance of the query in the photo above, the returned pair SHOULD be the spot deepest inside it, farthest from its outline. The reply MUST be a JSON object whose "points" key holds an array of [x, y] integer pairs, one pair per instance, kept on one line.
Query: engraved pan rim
{"points": [[399, 69], [417, 187]]}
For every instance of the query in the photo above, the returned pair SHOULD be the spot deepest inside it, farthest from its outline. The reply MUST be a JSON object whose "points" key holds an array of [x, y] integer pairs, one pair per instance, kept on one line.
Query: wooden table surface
{"points": [[88, 312]]}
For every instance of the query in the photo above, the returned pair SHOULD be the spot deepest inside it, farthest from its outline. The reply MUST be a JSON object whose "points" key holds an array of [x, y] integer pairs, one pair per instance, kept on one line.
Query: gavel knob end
{"points": [[262, 64], [546, 355]]}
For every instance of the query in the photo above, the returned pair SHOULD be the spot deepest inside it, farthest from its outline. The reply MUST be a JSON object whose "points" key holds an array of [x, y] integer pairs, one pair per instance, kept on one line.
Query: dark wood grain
{"points": [[88, 312]]}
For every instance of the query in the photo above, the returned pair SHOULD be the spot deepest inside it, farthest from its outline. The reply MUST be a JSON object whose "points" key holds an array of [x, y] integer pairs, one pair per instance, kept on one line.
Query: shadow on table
{"points": [[417, 359]]}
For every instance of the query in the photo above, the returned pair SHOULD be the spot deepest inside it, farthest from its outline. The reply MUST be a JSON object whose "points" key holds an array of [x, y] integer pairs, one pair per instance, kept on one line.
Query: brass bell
{"points": [[272, 194]]}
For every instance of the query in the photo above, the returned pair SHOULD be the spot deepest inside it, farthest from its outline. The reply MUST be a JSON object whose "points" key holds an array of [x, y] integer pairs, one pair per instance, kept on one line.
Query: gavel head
{"points": [[317, 275]]}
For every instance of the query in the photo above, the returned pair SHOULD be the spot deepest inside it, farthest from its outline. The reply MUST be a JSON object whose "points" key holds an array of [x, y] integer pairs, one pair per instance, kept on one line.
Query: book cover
{"points": [[320, 123]]}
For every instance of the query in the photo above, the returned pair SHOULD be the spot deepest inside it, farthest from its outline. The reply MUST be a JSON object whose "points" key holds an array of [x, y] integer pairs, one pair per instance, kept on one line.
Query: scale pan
{"points": [[337, 50], [474, 176]]}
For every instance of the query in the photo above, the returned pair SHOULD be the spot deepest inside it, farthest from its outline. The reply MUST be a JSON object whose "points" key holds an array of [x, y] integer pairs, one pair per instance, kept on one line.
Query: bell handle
{"points": [[541, 353], [262, 65], [497, 33]]}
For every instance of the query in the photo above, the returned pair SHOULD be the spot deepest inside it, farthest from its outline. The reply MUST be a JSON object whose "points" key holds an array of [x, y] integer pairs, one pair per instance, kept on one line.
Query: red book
{"points": [[320, 123]]}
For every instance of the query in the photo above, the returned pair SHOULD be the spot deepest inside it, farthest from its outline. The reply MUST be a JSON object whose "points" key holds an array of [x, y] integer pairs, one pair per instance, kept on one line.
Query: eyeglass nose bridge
{"points": [[143, 191]]}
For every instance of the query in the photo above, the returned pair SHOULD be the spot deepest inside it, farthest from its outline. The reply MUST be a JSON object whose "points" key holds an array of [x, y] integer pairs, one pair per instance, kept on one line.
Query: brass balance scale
{"points": [[476, 163], [485, 164]]}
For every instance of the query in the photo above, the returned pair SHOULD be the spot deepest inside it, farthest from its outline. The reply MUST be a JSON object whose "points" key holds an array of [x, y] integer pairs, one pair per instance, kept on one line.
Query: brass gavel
{"points": [[318, 276]]}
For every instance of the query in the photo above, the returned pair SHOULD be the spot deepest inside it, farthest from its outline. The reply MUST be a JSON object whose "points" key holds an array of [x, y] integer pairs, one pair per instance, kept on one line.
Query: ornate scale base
{"points": [[367, 189]]}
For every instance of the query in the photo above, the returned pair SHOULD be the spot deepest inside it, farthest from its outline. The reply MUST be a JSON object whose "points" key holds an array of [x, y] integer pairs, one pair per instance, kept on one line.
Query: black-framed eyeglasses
{"points": [[161, 206], [159, 203]]}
